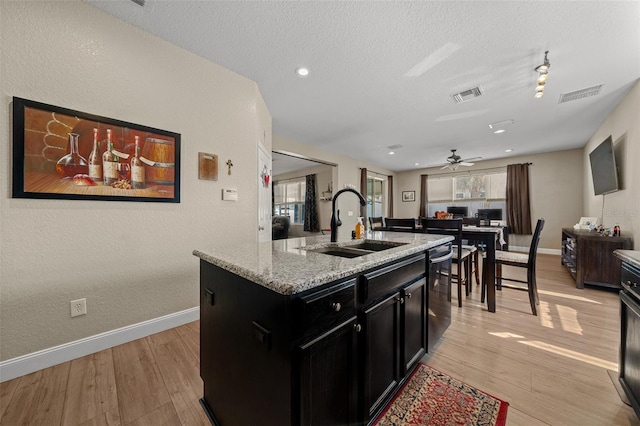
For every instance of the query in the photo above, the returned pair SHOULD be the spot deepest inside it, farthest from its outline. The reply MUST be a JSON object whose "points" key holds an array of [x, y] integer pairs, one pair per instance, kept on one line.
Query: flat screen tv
{"points": [[490, 214], [458, 211], [603, 168]]}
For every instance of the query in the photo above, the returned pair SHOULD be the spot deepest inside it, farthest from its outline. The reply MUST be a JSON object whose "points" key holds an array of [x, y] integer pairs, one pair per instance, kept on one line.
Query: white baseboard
{"points": [[26, 364], [557, 252]]}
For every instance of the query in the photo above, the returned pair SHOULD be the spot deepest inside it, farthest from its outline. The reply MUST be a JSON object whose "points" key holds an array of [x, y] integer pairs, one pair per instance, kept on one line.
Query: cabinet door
{"points": [[414, 322], [381, 353], [328, 377]]}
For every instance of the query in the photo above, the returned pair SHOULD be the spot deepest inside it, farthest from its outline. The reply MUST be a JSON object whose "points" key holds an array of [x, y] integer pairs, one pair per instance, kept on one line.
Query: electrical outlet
{"points": [[78, 307]]}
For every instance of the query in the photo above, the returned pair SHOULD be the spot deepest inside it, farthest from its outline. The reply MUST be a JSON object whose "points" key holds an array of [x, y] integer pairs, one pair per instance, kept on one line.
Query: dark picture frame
{"points": [[408, 196], [58, 153]]}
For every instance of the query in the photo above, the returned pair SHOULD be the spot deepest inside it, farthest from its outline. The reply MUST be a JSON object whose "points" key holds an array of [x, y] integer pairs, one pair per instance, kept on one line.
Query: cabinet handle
{"points": [[357, 328], [408, 295], [400, 299], [336, 306]]}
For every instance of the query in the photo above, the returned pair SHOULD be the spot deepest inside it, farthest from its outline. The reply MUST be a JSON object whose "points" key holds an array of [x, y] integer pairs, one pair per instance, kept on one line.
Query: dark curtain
{"points": [[518, 205], [363, 191], [311, 220], [424, 199], [390, 184]]}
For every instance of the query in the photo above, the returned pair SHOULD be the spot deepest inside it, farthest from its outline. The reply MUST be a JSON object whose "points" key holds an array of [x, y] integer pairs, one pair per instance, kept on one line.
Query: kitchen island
{"points": [[303, 331]]}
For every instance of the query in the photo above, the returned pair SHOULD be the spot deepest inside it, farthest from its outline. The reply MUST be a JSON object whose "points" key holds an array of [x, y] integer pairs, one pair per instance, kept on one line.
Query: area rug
{"points": [[432, 398]]}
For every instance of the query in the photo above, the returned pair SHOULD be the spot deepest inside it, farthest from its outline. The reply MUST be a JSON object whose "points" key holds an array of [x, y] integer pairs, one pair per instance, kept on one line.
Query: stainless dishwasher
{"points": [[439, 294]]}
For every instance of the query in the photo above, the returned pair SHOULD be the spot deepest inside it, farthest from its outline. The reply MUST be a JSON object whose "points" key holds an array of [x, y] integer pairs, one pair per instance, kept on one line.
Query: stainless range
{"points": [[629, 369]]}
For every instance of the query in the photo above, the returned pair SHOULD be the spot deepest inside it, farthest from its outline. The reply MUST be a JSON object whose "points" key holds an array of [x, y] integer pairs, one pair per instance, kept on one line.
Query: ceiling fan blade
{"points": [[464, 163], [446, 167], [468, 160]]}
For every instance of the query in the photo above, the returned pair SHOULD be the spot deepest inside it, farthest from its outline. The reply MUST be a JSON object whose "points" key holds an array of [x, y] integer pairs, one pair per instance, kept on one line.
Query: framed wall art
{"points": [[408, 196], [59, 153]]}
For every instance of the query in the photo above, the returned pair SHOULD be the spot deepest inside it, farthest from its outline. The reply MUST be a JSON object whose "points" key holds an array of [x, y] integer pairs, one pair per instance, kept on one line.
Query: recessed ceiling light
{"points": [[501, 124], [391, 152], [499, 131], [416, 164], [302, 71], [508, 150]]}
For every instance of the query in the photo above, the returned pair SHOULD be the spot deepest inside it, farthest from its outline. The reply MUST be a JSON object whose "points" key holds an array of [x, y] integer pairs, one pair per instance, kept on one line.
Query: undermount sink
{"points": [[375, 245], [341, 251], [357, 249]]}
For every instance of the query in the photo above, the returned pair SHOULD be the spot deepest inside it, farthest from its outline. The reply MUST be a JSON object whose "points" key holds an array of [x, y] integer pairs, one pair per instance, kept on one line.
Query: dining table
{"points": [[486, 235]]}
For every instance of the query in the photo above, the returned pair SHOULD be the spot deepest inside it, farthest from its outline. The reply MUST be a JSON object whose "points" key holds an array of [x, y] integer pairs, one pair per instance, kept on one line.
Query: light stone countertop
{"points": [[287, 267], [629, 256]]}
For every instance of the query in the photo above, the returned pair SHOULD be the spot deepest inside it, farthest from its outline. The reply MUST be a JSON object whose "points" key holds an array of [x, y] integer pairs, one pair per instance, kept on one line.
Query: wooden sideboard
{"points": [[589, 257]]}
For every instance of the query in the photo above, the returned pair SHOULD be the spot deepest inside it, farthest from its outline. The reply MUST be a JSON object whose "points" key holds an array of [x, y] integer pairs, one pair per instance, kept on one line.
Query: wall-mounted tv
{"points": [[603, 168]]}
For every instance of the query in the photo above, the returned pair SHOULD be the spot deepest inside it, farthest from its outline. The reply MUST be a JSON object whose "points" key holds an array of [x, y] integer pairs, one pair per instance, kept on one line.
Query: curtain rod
{"points": [[473, 170]]}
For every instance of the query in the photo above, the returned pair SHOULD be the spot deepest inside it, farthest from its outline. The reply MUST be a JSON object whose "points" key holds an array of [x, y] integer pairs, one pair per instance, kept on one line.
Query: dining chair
{"points": [[461, 256], [474, 247], [376, 222], [520, 260], [395, 224]]}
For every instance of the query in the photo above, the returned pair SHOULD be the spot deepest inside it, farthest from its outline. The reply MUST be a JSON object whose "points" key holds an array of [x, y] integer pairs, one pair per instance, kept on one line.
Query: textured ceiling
{"points": [[382, 73]]}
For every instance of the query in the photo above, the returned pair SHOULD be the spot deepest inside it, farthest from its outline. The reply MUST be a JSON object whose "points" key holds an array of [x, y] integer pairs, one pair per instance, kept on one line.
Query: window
{"points": [[475, 191], [374, 197], [288, 199]]}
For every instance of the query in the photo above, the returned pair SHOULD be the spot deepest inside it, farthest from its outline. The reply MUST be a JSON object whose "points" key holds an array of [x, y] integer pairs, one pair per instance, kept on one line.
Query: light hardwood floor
{"points": [[552, 369]]}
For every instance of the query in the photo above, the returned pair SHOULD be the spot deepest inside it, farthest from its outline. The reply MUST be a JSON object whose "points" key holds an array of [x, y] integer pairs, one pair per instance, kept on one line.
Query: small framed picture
{"points": [[408, 196]]}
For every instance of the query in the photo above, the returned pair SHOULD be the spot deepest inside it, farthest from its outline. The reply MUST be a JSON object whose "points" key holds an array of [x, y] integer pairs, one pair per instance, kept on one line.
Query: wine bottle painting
{"points": [[61, 153]]}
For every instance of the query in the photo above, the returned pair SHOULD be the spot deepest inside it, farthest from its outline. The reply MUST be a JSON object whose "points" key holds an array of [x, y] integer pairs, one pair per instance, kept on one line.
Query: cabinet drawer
{"points": [[378, 284], [326, 308]]}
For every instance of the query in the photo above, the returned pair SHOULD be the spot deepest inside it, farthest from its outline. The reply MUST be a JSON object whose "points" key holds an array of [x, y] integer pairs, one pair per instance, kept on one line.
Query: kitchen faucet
{"points": [[335, 215]]}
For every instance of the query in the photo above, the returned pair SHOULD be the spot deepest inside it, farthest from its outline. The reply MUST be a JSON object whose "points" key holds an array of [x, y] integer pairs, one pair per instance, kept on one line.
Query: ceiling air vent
{"points": [[139, 2], [394, 146], [466, 95], [580, 94]]}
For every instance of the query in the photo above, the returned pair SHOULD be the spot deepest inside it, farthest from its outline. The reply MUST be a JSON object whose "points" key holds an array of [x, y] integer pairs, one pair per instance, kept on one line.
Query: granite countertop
{"points": [[629, 256], [288, 267]]}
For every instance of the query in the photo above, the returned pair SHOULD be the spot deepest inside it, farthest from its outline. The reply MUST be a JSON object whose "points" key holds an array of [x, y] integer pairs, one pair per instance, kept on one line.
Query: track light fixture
{"points": [[543, 76]]}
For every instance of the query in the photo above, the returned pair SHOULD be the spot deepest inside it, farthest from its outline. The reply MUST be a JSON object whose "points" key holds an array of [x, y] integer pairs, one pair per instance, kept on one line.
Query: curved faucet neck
{"points": [[335, 215]]}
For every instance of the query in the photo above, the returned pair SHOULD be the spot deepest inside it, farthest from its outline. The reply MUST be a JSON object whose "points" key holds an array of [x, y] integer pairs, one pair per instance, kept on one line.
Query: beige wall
{"points": [[132, 261], [555, 184], [622, 207], [347, 172]]}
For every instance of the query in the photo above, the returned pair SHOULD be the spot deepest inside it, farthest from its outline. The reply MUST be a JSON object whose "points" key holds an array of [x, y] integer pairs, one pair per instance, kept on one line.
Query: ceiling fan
{"points": [[455, 160]]}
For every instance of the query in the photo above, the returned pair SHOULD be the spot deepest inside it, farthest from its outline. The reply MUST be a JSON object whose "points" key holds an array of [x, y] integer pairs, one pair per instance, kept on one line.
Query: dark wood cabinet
{"points": [[329, 377], [414, 324], [589, 257], [381, 353], [332, 355]]}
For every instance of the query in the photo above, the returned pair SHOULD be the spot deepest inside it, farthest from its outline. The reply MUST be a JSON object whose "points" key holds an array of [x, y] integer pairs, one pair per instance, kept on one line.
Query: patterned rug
{"points": [[432, 398]]}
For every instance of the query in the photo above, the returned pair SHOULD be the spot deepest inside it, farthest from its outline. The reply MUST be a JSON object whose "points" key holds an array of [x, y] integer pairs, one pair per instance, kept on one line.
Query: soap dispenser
{"points": [[359, 229]]}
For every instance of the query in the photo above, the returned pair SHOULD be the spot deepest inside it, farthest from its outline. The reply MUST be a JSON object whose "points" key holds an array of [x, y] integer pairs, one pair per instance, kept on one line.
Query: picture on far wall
{"points": [[408, 196], [59, 153]]}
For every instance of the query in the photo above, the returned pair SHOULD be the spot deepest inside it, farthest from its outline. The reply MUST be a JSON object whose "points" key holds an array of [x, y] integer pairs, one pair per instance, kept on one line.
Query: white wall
{"points": [[555, 180], [622, 207], [132, 261]]}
